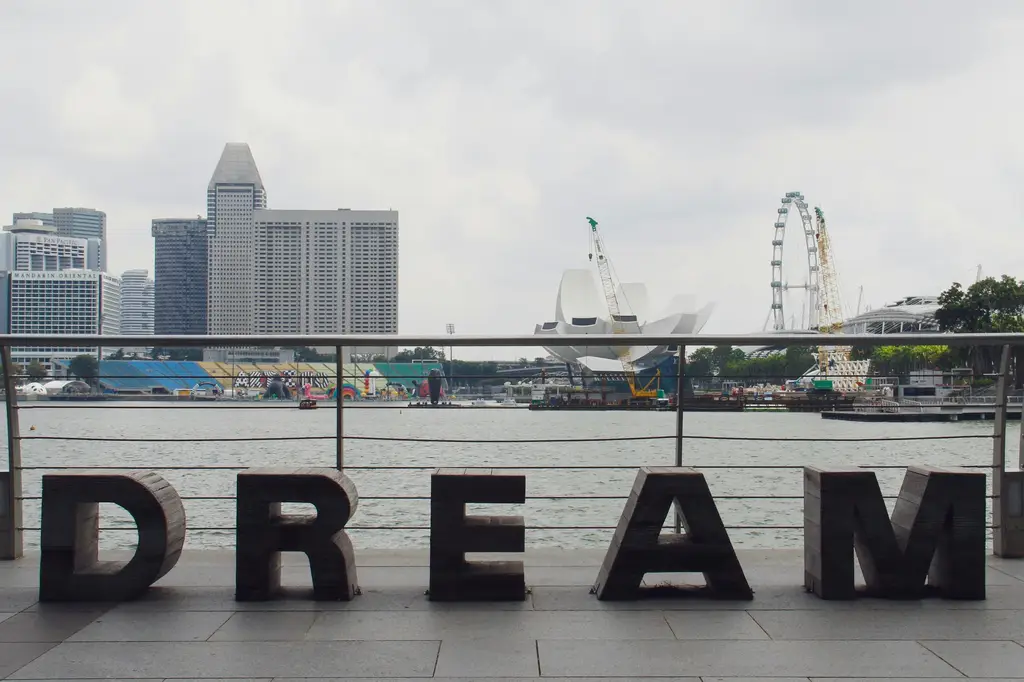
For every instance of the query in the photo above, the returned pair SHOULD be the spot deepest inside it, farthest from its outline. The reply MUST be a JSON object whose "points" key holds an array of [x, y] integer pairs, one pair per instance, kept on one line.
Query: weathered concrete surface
{"points": [[190, 627]]}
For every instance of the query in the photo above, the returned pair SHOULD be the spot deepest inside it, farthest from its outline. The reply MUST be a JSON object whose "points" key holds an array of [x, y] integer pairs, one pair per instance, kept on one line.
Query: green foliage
{"points": [[419, 353], [989, 305], [901, 360], [36, 371], [86, 368], [309, 354], [729, 362]]}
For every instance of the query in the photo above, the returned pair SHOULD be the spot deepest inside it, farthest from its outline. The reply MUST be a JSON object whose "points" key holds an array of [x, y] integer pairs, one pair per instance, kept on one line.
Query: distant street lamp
{"points": [[450, 330]]}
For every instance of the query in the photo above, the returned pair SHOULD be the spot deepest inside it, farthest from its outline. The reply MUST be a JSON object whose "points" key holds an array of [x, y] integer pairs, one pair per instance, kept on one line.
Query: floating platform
{"points": [[914, 416]]}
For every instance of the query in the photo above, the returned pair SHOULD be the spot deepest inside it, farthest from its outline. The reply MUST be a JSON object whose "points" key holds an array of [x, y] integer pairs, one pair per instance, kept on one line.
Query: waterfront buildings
{"points": [[136, 303], [235, 191], [30, 244], [325, 272], [64, 302], [80, 223], [182, 268]]}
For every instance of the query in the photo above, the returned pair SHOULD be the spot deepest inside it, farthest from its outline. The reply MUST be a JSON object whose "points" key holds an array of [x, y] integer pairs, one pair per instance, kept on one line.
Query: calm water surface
{"points": [[165, 421]]}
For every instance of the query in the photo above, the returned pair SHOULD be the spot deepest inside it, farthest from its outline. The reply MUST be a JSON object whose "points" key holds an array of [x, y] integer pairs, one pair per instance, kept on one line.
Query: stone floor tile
{"points": [[15, 599], [478, 658], [16, 655], [981, 659], [484, 625], [128, 626], [895, 625], [51, 625], [228, 660], [520, 679], [903, 679], [739, 659], [263, 626], [711, 625], [755, 679]]}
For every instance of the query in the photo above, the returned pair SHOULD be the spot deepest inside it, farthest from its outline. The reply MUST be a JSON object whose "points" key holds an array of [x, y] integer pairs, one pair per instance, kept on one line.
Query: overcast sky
{"points": [[496, 127]]}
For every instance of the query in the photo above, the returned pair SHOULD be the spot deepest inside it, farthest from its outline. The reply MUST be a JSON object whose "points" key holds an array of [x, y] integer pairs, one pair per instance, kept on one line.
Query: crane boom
{"points": [[611, 299], [830, 305]]}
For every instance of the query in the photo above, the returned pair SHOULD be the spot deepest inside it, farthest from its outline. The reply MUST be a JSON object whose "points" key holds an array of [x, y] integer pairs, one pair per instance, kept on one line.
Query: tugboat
{"points": [[307, 404]]}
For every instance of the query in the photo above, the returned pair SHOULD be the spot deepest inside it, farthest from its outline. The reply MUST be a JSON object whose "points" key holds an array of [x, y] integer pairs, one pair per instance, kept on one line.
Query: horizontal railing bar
{"points": [[503, 467], [426, 498], [231, 529], [522, 340], [484, 441]]}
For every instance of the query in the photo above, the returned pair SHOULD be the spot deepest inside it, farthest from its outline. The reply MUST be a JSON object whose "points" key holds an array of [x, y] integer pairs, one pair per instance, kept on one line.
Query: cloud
{"points": [[495, 128]]}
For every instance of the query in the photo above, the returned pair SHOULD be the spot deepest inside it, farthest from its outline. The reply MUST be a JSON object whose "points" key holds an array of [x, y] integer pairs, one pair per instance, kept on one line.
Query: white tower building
{"points": [[136, 303], [234, 192]]}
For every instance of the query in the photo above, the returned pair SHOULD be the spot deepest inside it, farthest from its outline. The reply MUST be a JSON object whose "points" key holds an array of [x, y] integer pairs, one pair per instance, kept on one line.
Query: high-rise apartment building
{"points": [[65, 302], [83, 223], [325, 272], [234, 193], [181, 249], [136, 303], [31, 245]]}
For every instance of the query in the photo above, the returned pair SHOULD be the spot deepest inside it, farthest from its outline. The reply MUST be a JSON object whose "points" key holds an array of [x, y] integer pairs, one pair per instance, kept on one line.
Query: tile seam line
{"points": [[767, 634], [53, 645], [437, 657], [1000, 570], [536, 651], [664, 617], [940, 657]]}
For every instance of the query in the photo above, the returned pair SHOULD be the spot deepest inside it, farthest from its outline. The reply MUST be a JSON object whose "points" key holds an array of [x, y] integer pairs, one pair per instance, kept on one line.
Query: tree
{"points": [[86, 368], [989, 305], [36, 371], [419, 353]]}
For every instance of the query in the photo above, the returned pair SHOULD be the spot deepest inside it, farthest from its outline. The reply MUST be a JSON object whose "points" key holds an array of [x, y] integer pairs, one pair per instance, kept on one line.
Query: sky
{"points": [[495, 128]]}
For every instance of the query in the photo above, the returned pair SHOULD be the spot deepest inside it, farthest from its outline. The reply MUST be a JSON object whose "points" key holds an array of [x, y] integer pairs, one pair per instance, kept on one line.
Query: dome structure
{"points": [[580, 308]]}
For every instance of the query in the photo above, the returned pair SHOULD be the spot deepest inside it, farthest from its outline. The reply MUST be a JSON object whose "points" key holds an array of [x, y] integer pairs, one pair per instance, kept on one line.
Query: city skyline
{"points": [[677, 127]]}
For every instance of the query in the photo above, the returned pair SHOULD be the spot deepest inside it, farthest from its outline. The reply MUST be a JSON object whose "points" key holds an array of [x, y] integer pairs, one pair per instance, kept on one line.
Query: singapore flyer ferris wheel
{"points": [[810, 315]]}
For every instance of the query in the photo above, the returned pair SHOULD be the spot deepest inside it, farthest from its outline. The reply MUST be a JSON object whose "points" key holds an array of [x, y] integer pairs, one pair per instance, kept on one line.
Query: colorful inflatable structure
{"points": [[312, 380]]}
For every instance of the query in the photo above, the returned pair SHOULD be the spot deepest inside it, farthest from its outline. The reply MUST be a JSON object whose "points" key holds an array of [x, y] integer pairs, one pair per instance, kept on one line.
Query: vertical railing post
{"points": [[680, 378], [1007, 487], [339, 394], [12, 544]]}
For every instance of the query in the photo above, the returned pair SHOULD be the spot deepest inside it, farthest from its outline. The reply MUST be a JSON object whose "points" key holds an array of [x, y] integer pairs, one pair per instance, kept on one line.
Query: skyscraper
{"points": [[31, 245], [65, 302], [84, 223], [44, 218], [234, 192], [136, 303], [181, 272], [325, 272]]}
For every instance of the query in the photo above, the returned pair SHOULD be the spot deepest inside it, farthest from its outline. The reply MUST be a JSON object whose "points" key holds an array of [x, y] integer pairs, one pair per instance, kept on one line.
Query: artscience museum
{"points": [[581, 308]]}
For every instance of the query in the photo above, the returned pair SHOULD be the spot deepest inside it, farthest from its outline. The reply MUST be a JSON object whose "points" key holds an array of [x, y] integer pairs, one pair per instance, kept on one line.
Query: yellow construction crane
{"points": [[617, 318], [830, 305]]}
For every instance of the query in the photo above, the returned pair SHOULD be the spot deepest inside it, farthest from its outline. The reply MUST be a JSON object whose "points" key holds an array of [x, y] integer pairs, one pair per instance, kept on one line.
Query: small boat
{"points": [[307, 404]]}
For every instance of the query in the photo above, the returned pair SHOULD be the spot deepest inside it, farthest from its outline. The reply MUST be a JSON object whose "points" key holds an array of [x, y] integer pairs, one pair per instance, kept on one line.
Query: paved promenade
{"points": [[190, 627]]}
